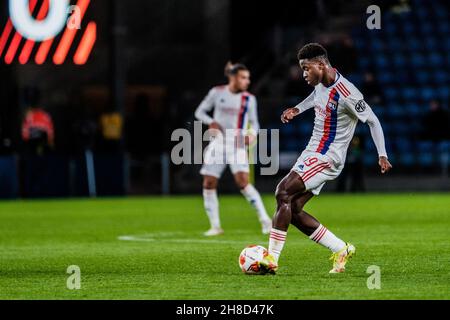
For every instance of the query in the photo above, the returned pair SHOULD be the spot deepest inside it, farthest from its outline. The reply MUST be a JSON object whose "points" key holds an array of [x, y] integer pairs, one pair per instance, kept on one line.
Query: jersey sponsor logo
{"points": [[320, 112], [361, 106], [229, 110]]}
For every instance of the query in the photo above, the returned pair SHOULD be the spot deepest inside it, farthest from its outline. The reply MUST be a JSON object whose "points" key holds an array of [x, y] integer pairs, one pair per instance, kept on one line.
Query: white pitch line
{"points": [[205, 241]]}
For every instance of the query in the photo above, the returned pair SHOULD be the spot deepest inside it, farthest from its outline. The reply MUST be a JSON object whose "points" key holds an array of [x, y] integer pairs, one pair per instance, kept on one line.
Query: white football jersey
{"points": [[231, 110], [337, 111]]}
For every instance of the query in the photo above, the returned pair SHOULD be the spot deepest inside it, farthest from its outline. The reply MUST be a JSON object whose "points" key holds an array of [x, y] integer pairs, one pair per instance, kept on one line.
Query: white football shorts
{"points": [[315, 169], [219, 155]]}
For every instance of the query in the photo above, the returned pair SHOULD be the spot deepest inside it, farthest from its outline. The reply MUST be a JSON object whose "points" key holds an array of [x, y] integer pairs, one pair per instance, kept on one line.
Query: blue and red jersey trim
{"points": [[330, 123], [245, 100]]}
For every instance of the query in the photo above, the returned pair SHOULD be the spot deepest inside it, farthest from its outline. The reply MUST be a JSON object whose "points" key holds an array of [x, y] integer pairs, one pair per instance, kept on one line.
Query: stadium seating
{"points": [[411, 59]]}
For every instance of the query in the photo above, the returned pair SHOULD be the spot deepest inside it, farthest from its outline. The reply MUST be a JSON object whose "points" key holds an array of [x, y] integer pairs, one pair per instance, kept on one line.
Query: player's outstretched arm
{"points": [[290, 113], [378, 138]]}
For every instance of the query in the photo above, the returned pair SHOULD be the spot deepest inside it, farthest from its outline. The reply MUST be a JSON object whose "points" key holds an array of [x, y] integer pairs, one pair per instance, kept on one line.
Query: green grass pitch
{"points": [[162, 254]]}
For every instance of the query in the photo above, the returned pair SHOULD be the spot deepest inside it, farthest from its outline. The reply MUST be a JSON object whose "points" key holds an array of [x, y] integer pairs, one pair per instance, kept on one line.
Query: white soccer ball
{"points": [[250, 257]]}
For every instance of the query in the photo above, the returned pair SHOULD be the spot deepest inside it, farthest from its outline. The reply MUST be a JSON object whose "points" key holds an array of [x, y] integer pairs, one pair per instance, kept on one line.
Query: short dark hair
{"points": [[311, 51], [233, 69]]}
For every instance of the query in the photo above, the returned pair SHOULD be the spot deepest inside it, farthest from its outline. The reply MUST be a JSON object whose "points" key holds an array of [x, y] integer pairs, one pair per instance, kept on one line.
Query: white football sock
{"points": [[326, 238], [276, 242], [211, 203], [252, 196]]}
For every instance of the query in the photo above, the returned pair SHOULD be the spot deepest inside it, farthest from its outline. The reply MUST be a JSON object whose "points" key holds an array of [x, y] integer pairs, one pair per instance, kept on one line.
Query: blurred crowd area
{"points": [[52, 118]]}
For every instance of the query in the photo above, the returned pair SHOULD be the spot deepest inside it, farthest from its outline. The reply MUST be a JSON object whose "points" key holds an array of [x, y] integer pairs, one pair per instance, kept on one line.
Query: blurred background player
{"points": [[37, 126], [234, 109], [338, 106]]}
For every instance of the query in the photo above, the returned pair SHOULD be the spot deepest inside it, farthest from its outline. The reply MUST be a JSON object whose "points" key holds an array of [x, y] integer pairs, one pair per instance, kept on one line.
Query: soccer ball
{"points": [[250, 257]]}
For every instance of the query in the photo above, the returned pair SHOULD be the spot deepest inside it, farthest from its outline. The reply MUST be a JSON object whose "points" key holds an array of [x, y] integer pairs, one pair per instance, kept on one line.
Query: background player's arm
{"points": [[357, 106], [290, 113], [206, 106]]}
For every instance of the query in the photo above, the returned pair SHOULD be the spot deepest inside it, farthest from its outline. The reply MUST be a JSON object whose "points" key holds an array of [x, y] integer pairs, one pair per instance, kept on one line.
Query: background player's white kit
{"points": [[230, 110], [233, 112]]}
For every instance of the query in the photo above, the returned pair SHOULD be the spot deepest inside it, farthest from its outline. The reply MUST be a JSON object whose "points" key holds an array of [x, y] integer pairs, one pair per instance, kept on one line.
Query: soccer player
{"points": [[234, 108], [338, 106]]}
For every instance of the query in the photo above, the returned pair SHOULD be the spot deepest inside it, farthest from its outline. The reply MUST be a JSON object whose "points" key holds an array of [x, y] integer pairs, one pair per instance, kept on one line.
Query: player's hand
{"points": [[215, 125], [215, 129], [289, 114], [249, 139], [384, 164]]}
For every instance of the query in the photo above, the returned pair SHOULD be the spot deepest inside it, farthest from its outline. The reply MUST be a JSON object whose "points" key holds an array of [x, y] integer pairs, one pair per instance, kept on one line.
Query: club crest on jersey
{"points": [[332, 105], [361, 106]]}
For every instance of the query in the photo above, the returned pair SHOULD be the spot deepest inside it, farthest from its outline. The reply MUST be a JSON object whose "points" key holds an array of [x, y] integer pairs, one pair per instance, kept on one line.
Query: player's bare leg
{"points": [[300, 218], [289, 187], [290, 204], [318, 233], [211, 204], [253, 197]]}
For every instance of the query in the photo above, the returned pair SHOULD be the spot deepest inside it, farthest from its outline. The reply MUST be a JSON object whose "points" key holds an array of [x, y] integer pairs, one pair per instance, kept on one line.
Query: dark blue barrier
{"points": [[45, 176], [110, 174], [9, 182], [64, 176]]}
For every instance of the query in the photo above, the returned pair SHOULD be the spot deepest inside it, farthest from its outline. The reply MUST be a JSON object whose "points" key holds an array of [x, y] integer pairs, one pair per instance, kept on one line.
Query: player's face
{"points": [[312, 71], [241, 81]]}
